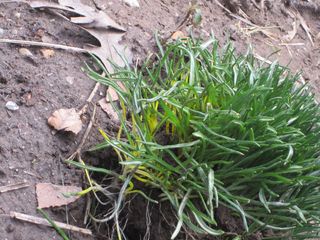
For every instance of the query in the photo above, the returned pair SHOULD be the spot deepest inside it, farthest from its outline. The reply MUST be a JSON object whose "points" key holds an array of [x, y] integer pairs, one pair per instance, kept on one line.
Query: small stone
{"points": [[17, 15], [70, 80], [1, 31], [12, 106], [132, 3], [14, 31], [25, 52]]}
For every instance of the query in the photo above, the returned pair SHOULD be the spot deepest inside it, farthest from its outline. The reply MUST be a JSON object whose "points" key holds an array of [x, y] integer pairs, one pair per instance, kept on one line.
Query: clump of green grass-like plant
{"points": [[210, 128]]}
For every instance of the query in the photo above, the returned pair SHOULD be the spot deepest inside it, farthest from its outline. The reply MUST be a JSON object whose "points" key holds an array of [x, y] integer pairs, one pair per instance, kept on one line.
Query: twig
{"points": [[89, 100], [12, 187], [42, 44], [305, 27], [43, 221], [85, 136], [223, 7]]}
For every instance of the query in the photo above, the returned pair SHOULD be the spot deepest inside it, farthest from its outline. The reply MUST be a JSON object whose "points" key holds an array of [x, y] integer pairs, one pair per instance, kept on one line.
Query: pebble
{"points": [[12, 106], [70, 79], [17, 15], [25, 52], [132, 3], [1, 31]]}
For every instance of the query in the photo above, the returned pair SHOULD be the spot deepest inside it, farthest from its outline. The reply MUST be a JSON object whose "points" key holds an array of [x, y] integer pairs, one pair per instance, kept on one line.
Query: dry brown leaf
{"points": [[94, 19], [111, 95], [107, 107], [47, 53], [50, 195], [178, 35], [66, 119], [96, 23]]}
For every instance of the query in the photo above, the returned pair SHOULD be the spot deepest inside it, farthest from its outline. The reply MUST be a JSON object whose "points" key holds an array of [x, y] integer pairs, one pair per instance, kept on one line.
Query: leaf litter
{"points": [[50, 195], [109, 34], [66, 120], [97, 23]]}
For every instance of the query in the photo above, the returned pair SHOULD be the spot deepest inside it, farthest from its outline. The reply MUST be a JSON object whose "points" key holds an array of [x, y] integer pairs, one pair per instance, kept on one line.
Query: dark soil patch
{"points": [[30, 151]]}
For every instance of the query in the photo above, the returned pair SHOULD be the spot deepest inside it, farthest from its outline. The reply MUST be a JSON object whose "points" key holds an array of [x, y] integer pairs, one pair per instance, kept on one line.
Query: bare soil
{"points": [[31, 151]]}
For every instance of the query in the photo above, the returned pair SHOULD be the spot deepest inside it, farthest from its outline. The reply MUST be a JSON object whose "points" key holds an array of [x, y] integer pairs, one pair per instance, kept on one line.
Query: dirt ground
{"points": [[29, 149]]}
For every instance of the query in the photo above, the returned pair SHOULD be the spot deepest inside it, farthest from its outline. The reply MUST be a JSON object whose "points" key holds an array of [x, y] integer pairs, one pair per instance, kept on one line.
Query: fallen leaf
{"points": [[25, 52], [108, 108], [66, 119], [177, 35], [50, 195], [96, 23], [47, 53], [111, 95]]}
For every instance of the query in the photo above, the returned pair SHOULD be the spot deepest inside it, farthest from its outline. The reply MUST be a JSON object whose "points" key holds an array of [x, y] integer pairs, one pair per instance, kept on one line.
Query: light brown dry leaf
{"points": [[50, 195], [111, 95], [96, 23], [66, 119], [25, 52], [177, 35], [107, 107], [47, 53]]}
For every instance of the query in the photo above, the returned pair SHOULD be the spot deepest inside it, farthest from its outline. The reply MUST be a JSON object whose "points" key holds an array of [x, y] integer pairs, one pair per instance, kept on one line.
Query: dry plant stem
{"points": [[43, 221], [42, 44], [89, 100], [77, 153], [12, 187]]}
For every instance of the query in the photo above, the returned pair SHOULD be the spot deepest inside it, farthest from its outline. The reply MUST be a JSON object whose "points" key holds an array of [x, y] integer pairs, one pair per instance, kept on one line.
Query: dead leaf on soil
{"points": [[96, 23], [50, 195], [66, 119], [111, 95], [47, 53], [178, 35], [108, 108]]}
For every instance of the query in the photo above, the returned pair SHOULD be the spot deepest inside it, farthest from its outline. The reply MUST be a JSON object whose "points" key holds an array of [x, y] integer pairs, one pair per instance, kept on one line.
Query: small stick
{"points": [[43, 221], [12, 187], [42, 44], [89, 100]]}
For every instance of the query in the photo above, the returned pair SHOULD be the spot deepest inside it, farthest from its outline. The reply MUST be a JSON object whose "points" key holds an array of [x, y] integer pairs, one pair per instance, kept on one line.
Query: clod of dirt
{"points": [[25, 52], [3, 80], [66, 120], [49, 195], [47, 53]]}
